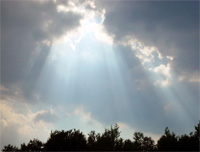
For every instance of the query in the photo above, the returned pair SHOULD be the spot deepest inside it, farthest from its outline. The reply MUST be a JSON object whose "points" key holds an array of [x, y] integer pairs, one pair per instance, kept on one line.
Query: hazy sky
{"points": [[91, 64]]}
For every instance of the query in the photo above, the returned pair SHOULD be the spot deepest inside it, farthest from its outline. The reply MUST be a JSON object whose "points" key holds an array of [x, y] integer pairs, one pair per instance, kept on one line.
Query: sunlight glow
{"points": [[90, 64]]}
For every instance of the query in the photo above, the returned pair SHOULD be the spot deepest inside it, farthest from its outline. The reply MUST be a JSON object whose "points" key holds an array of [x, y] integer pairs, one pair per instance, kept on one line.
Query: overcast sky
{"points": [[91, 64]]}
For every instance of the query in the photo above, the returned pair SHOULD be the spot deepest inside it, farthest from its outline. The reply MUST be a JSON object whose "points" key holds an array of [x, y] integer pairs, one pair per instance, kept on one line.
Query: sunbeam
{"points": [[90, 64]]}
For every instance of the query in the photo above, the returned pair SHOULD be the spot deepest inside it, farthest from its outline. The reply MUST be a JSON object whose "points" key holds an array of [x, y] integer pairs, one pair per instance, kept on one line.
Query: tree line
{"points": [[110, 140]]}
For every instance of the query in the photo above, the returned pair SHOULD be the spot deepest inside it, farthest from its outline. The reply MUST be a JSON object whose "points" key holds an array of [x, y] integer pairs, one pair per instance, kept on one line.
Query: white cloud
{"points": [[76, 6], [145, 53], [190, 77], [102, 35], [87, 118], [47, 116], [163, 69], [91, 23], [170, 57], [17, 125], [162, 83]]}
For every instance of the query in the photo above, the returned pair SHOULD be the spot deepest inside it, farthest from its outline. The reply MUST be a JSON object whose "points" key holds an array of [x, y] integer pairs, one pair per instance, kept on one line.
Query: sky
{"points": [[90, 64]]}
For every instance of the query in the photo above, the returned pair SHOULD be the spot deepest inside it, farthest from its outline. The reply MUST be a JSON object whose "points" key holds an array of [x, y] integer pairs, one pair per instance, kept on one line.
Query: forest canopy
{"points": [[110, 140]]}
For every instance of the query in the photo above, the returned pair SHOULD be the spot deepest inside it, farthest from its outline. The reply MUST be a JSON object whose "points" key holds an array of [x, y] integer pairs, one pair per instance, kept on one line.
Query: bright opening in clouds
{"points": [[91, 64]]}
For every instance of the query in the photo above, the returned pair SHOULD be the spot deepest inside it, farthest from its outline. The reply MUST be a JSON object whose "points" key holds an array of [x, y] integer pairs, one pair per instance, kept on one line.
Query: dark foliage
{"points": [[33, 145], [109, 140], [168, 141], [66, 140], [128, 145], [10, 148]]}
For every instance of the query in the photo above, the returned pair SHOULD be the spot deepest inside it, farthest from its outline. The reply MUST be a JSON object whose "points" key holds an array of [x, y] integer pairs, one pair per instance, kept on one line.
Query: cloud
{"points": [[190, 77], [172, 27], [134, 67], [86, 118], [163, 37], [20, 121], [144, 53], [46, 116], [14, 94], [28, 30], [164, 71], [18, 127], [151, 59]]}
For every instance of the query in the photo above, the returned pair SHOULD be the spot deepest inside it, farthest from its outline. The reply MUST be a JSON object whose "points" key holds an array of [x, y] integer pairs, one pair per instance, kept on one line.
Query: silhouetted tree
{"points": [[33, 145], [23, 147], [142, 143], [128, 145], [168, 142], [119, 144], [195, 138], [92, 140], [71, 140], [184, 143], [148, 144], [10, 148], [109, 140], [138, 139]]}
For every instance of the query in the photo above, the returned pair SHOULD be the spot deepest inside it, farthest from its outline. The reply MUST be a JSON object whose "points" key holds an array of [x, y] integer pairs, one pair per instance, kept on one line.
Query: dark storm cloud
{"points": [[171, 26], [24, 25]]}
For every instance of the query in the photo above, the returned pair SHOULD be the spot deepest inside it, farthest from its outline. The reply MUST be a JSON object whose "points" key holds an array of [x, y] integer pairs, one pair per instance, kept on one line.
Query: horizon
{"points": [[90, 64]]}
